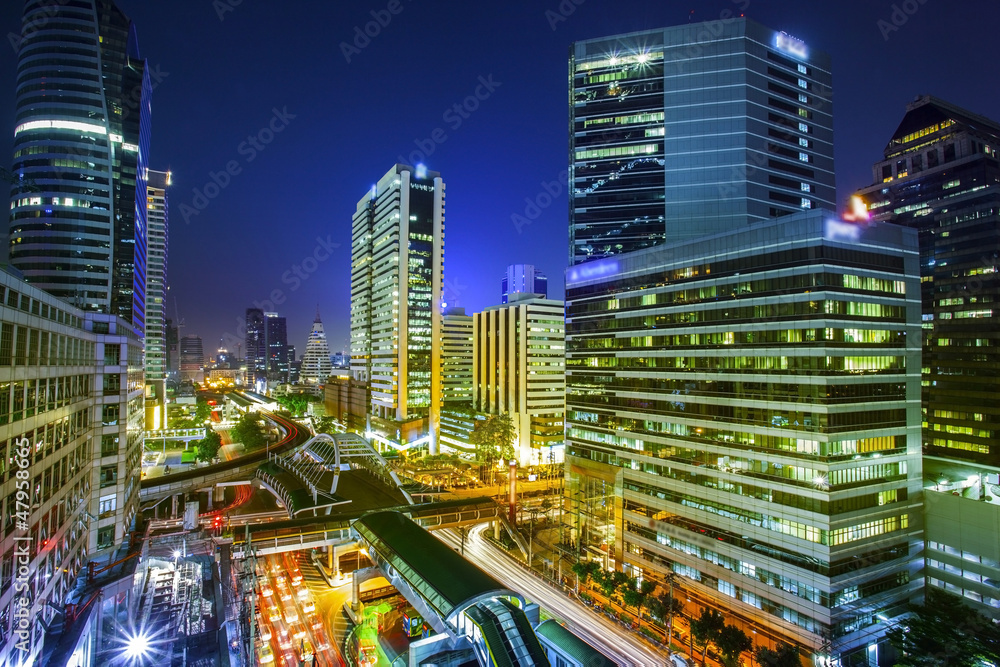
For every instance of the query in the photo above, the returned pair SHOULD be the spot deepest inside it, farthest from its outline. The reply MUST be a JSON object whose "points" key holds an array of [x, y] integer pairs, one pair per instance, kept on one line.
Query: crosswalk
{"points": [[314, 580]]}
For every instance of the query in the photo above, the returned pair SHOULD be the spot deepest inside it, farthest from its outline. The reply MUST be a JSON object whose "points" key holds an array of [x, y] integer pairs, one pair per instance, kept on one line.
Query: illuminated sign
{"points": [[592, 270], [858, 211], [421, 171], [838, 230], [420, 186], [796, 47]]}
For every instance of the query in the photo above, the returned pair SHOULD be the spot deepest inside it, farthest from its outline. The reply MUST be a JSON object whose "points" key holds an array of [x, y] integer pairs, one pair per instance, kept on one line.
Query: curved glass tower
{"points": [[81, 140]]}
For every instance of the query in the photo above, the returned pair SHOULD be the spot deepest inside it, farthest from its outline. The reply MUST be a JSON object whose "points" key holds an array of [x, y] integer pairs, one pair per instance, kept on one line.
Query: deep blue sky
{"points": [[221, 79]]}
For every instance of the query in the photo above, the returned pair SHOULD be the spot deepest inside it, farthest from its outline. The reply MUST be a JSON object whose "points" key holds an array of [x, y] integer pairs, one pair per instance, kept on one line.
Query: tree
{"points": [[208, 447], [493, 438], [944, 631], [585, 570], [635, 594], [785, 655], [732, 642], [202, 411], [249, 431], [706, 628]]}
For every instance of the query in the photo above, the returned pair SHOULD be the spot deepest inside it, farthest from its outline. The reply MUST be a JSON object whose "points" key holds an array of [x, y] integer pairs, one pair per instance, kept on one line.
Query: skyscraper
{"points": [[78, 218], [315, 367], [255, 340], [192, 359], [940, 175], [276, 336], [157, 235], [742, 412], [456, 357], [692, 130], [523, 278], [397, 258]]}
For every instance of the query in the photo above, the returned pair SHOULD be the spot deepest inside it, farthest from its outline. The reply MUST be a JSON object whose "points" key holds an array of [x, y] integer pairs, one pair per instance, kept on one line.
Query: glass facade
{"points": [[396, 265], [78, 215], [156, 274], [742, 411], [693, 130]]}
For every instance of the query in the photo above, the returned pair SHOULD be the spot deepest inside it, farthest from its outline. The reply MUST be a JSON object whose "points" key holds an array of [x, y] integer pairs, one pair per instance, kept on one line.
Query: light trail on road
{"points": [[594, 628]]}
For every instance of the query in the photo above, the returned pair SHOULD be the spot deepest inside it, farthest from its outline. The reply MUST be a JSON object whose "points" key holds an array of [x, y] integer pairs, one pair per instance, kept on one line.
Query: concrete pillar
{"points": [[220, 494], [496, 529], [331, 554], [210, 497], [355, 591], [174, 499]]}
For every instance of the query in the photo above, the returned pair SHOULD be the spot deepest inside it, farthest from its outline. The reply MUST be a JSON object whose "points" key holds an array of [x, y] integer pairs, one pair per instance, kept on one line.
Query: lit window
{"points": [[807, 187], [806, 203], [803, 127], [803, 142], [802, 69], [803, 98], [803, 84], [803, 157]]}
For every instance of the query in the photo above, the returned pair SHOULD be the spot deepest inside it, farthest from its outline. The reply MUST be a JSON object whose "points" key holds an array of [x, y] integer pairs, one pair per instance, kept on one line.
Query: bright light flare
{"points": [[137, 647]]}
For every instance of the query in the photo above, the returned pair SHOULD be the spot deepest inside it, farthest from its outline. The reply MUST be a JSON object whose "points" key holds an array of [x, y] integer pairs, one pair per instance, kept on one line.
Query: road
{"points": [[596, 629]]}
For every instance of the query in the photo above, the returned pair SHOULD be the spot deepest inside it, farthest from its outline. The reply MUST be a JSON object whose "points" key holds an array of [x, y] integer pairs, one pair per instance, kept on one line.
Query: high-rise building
{"points": [[192, 359], [315, 367], [78, 214], [397, 258], [742, 411], [456, 357], [255, 340], [71, 418], [519, 368], [523, 278], [940, 175], [692, 130], [172, 352], [276, 337], [157, 235]]}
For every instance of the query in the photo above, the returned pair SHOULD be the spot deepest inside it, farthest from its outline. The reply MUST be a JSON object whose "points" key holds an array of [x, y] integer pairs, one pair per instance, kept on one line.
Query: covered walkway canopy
{"points": [[447, 582]]}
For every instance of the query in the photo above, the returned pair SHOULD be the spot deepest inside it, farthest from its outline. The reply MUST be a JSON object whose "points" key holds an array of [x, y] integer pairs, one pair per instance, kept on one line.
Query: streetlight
{"points": [[137, 647]]}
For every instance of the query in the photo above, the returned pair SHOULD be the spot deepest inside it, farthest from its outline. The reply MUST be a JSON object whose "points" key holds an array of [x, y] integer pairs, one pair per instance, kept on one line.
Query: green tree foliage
{"points": [[493, 438], [732, 642], [297, 404], [208, 447], [785, 655], [944, 631], [586, 570], [249, 430], [203, 411], [706, 628], [635, 594]]}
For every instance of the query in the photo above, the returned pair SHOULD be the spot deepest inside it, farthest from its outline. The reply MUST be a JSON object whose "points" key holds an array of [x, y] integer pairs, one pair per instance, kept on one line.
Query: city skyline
{"points": [[257, 93]]}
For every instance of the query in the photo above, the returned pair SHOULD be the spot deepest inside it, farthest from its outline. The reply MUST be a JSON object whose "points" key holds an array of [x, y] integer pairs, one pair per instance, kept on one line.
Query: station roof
{"points": [[447, 581], [571, 644]]}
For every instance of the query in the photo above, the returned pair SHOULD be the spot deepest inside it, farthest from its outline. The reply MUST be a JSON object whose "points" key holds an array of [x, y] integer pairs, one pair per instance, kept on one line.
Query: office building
{"points": [[255, 340], [80, 151], [172, 351], [71, 410], [397, 258], [456, 357], [692, 130], [521, 278], [276, 343], [940, 175], [315, 367], [742, 410], [192, 359], [519, 368], [157, 235]]}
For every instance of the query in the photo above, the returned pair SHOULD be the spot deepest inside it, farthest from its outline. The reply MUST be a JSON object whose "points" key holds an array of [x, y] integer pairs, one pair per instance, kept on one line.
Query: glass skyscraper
{"points": [[397, 258], [81, 141], [156, 274], [692, 130]]}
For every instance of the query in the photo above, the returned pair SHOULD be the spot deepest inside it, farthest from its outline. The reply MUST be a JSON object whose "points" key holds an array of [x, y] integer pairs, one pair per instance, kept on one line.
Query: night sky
{"points": [[222, 69]]}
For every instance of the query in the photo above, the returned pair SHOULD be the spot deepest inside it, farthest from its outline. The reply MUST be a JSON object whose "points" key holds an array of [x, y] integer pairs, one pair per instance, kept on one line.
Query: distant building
{"points": [[192, 359], [523, 278], [397, 248], [172, 350], [694, 129], [157, 235], [276, 344], [340, 360], [519, 367], [315, 367], [255, 340]]}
